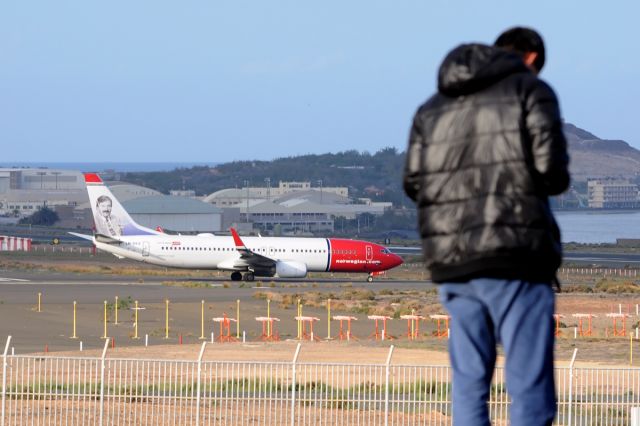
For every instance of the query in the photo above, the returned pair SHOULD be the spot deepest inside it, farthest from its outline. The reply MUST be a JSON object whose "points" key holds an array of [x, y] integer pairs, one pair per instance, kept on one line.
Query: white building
{"points": [[231, 196], [612, 194]]}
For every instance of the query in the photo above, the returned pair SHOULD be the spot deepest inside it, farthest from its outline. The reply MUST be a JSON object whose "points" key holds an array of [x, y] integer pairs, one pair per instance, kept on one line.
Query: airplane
{"points": [[244, 257]]}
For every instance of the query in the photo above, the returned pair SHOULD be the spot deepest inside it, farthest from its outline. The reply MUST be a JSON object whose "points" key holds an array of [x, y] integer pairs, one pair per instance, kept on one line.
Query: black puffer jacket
{"points": [[484, 154]]}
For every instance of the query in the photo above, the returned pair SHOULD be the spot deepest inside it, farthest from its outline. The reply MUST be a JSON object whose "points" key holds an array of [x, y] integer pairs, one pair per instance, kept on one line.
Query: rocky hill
{"points": [[377, 175], [593, 157]]}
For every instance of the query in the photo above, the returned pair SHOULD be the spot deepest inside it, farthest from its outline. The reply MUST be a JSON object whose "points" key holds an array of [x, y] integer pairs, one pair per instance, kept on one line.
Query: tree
{"points": [[45, 216]]}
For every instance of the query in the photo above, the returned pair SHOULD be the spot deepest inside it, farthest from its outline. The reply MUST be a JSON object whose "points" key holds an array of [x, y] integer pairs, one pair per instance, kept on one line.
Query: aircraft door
{"points": [[145, 249], [369, 253]]}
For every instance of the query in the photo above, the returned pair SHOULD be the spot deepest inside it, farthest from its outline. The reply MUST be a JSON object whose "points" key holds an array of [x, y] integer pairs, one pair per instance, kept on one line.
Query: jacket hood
{"points": [[472, 67]]}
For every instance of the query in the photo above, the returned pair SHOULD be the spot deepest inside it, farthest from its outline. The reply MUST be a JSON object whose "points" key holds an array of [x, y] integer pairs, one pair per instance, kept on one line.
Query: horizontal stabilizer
{"points": [[83, 236], [106, 239]]}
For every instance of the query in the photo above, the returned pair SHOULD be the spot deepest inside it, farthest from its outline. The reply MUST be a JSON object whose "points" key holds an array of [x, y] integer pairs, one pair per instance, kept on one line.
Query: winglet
{"points": [[236, 238], [92, 178]]}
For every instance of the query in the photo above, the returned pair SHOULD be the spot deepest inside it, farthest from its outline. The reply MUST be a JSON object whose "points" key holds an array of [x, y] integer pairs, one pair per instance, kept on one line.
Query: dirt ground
{"points": [[406, 292]]}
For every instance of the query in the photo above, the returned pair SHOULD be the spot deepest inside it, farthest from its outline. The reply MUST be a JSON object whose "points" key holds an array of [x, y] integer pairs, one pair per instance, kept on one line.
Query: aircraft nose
{"points": [[396, 260]]}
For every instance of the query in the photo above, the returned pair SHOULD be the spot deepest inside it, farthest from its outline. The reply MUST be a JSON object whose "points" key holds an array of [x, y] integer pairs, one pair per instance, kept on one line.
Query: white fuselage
{"points": [[217, 252]]}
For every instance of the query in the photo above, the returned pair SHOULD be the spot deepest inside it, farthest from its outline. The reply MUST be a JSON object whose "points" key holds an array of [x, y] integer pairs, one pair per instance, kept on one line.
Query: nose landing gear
{"points": [[370, 278]]}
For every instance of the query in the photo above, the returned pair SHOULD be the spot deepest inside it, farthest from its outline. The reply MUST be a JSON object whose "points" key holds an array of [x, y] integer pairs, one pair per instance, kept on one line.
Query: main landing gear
{"points": [[237, 276]]}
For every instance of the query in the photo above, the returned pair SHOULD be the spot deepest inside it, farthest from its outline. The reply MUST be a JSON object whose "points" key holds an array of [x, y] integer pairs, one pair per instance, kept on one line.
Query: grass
{"points": [[420, 390], [388, 302], [613, 286], [187, 284]]}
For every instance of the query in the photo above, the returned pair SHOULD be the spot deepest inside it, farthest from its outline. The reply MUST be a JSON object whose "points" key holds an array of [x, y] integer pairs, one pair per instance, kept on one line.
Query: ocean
{"points": [[116, 166], [592, 227]]}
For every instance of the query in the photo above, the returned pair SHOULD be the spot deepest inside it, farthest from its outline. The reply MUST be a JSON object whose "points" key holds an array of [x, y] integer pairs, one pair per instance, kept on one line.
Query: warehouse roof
{"points": [[167, 204]]}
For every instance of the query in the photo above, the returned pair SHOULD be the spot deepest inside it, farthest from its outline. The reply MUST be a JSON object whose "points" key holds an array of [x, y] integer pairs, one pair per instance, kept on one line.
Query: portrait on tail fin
{"points": [[106, 222], [110, 217]]}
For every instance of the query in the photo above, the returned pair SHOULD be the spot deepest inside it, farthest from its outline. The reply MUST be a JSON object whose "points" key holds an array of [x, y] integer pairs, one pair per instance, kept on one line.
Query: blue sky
{"points": [[225, 80]]}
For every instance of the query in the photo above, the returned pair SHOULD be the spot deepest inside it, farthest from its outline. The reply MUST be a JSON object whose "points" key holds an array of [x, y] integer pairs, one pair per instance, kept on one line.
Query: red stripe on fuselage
{"points": [[354, 256]]}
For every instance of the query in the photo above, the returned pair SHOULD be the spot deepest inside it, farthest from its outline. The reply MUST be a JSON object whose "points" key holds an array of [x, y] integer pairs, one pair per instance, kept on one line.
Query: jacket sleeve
{"points": [[411, 180], [548, 143]]}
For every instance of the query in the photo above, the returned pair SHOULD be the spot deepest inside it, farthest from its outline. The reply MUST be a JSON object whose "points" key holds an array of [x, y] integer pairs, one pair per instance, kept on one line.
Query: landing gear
{"points": [[236, 276], [370, 278], [249, 276]]}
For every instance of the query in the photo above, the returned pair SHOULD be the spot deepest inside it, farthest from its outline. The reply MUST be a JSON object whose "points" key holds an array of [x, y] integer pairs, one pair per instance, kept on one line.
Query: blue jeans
{"points": [[519, 314]]}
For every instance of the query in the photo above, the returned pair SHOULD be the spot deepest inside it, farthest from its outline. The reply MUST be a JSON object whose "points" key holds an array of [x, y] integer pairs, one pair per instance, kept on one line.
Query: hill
{"points": [[377, 176], [367, 175], [592, 157]]}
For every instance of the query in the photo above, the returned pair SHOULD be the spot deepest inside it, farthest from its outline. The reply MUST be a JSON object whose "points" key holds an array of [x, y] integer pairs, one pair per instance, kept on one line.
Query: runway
{"points": [[614, 260], [32, 330]]}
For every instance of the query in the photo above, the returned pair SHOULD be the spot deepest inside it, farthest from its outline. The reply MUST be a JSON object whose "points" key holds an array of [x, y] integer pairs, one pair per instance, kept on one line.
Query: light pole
{"points": [[320, 183], [246, 186], [56, 174], [41, 174], [268, 181]]}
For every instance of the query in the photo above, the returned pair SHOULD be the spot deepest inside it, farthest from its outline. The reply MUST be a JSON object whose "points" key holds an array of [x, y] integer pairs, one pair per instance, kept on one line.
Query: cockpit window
{"points": [[384, 251]]}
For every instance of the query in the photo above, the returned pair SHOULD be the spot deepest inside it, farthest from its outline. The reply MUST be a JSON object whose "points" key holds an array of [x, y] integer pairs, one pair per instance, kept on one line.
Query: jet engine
{"points": [[291, 269]]}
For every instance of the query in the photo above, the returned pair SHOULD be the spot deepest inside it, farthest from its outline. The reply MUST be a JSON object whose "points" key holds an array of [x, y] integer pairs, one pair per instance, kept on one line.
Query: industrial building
{"points": [[232, 196], [294, 208], [177, 214], [612, 194], [24, 191]]}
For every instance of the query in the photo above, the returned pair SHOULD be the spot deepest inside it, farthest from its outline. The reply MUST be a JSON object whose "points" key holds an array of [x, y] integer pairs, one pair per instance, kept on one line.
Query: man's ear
{"points": [[529, 58]]}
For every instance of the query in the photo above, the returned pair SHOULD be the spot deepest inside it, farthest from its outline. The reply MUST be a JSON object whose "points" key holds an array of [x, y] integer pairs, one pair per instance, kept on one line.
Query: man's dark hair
{"points": [[102, 199], [523, 40]]}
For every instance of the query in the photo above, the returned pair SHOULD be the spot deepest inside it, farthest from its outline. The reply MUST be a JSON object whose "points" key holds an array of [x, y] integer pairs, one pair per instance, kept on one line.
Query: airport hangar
{"points": [[23, 191]]}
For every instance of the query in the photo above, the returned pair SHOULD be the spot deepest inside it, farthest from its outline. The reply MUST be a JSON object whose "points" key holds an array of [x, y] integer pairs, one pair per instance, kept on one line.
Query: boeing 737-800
{"points": [[247, 257]]}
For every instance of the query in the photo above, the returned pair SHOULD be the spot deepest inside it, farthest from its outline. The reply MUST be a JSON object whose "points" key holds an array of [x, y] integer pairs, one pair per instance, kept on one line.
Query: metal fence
{"points": [[105, 391]]}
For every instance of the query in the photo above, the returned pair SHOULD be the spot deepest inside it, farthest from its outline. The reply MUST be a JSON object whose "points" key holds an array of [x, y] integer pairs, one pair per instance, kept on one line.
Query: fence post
{"points": [[4, 377], [573, 360], [387, 374], [293, 385], [204, 344], [102, 371]]}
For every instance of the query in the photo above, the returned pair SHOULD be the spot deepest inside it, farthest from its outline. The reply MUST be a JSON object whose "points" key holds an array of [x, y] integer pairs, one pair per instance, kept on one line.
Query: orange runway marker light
{"points": [[342, 334], [441, 332], [413, 325], [307, 332], [581, 329], [619, 320], [380, 334], [225, 328], [269, 332], [557, 331]]}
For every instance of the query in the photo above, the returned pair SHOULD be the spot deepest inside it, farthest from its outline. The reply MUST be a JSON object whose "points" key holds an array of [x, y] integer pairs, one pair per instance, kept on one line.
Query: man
{"points": [[484, 154], [106, 223]]}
